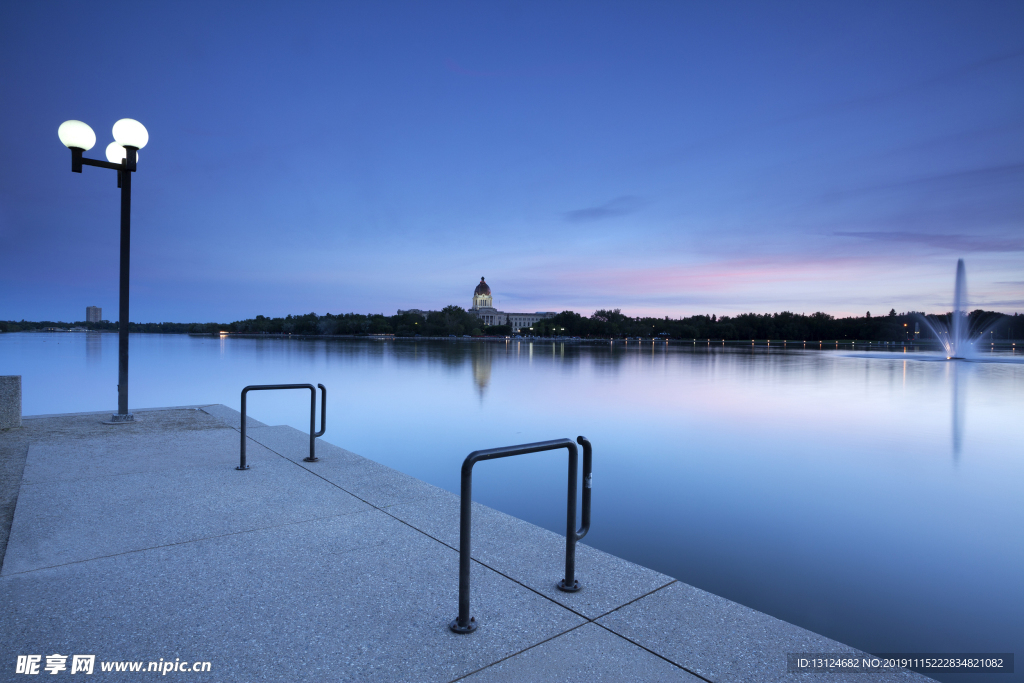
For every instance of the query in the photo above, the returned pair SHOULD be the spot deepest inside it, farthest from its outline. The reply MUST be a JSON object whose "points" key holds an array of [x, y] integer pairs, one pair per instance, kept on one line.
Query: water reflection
{"points": [[481, 358], [93, 348], [958, 410]]}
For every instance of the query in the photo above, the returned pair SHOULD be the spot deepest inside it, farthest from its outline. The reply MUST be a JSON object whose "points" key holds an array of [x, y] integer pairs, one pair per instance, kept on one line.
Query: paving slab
{"points": [[68, 429], [354, 598], [371, 481], [588, 654], [533, 556], [100, 516], [85, 425], [723, 641], [133, 452]]}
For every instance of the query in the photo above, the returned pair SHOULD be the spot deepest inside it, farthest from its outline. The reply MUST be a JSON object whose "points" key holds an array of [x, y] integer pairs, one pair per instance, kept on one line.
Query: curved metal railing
{"points": [[312, 416], [467, 624]]}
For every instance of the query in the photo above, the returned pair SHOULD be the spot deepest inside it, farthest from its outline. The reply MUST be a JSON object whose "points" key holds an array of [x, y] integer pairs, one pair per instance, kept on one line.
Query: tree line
{"points": [[603, 324]]}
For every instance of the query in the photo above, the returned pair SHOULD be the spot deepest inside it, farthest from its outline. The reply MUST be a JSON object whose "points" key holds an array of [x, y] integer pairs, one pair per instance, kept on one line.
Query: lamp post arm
{"points": [[102, 164]]}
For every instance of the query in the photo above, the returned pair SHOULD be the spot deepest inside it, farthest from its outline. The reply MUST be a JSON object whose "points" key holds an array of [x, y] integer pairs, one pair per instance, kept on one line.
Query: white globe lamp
{"points": [[76, 135], [131, 133], [116, 153]]}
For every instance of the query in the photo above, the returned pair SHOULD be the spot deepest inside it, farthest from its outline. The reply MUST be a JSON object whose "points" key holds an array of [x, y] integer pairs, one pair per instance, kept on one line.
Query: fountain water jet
{"points": [[955, 336]]}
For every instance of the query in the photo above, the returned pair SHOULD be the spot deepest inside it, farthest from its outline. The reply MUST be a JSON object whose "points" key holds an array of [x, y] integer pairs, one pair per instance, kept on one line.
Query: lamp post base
{"points": [[120, 419], [468, 628]]}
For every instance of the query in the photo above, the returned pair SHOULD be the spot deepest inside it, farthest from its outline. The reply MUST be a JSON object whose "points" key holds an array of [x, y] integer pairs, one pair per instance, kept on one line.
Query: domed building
{"points": [[482, 295], [483, 308]]}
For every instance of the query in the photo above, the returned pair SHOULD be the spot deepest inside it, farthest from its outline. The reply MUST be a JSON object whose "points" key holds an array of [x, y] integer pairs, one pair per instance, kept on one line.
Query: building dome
{"points": [[482, 289]]}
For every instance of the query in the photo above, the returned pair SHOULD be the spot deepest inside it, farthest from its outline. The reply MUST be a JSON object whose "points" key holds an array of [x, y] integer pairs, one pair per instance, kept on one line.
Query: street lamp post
{"points": [[122, 155]]}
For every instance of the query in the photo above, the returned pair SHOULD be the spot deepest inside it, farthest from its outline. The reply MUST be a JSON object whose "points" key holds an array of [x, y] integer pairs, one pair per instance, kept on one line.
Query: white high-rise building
{"points": [[93, 314]]}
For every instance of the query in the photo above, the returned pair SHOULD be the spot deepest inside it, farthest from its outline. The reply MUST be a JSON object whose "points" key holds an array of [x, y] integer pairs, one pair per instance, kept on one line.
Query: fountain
{"points": [[955, 336]]}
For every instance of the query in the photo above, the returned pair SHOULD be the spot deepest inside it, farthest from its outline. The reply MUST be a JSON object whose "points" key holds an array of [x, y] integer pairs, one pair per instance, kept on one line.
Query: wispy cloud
{"points": [[620, 206], [963, 243], [950, 180], [900, 91], [1005, 303]]}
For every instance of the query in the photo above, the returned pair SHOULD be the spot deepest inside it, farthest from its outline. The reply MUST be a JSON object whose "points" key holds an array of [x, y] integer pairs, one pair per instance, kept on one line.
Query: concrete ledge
{"points": [[107, 413], [10, 401]]}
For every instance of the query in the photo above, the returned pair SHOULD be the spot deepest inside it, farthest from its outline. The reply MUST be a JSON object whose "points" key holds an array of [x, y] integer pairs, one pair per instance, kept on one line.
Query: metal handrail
{"points": [[312, 416], [467, 624]]}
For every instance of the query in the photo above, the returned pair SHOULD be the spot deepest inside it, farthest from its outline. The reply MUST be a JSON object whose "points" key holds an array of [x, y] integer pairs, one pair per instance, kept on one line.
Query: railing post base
{"points": [[242, 468], [311, 459], [469, 628], [561, 585]]}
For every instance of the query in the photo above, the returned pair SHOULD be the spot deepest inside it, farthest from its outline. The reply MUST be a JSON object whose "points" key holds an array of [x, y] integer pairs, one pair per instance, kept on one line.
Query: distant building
{"points": [[484, 309], [416, 311], [93, 314]]}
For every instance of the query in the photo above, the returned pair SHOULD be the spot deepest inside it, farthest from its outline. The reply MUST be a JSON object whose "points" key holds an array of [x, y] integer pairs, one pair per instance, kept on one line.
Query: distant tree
{"points": [[450, 320]]}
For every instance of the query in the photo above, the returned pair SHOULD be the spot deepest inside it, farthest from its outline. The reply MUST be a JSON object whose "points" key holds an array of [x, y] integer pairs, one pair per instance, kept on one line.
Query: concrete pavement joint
{"points": [[630, 640], [641, 597], [693, 673], [516, 654]]}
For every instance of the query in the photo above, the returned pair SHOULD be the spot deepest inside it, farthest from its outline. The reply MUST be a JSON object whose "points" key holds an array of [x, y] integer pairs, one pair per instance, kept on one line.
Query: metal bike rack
{"points": [[312, 415], [467, 624]]}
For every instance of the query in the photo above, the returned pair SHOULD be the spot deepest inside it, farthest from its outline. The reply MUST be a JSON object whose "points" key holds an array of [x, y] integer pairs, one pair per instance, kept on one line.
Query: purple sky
{"points": [[665, 158]]}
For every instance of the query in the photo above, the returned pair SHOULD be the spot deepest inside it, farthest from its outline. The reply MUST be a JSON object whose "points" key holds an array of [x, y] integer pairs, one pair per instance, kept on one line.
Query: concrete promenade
{"points": [[142, 542]]}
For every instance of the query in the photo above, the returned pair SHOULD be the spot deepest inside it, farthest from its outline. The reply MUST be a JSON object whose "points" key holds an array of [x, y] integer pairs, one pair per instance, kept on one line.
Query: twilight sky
{"points": [[666, 158]]}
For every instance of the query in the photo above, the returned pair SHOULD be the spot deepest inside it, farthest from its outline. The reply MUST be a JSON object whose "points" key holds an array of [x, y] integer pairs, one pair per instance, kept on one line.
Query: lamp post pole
{"points": [[129, 136], [122, 310]]}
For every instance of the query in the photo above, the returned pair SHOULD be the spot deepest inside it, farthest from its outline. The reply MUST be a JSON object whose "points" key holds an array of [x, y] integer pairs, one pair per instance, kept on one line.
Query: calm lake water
{"points": [[875, 498]]}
